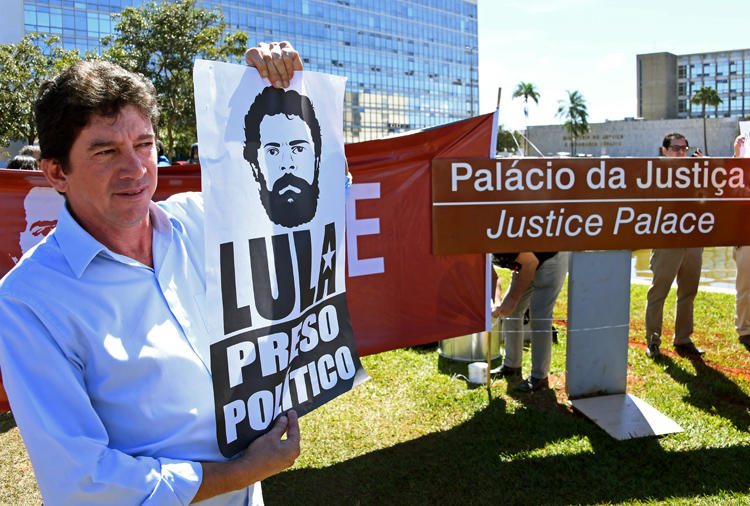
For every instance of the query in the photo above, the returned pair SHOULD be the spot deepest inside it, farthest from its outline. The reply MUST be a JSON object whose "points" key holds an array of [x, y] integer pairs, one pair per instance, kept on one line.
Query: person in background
{"points": [[194, 153], [31, 150], [666, 265], [742, 282], [535, 284], [21, 162], [104, 353], [161, 157]]}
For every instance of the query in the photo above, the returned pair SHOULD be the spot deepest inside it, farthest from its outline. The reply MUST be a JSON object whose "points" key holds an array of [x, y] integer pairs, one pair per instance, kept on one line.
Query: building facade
{"points": [[409, 64], [636, 137], [666, 83]]}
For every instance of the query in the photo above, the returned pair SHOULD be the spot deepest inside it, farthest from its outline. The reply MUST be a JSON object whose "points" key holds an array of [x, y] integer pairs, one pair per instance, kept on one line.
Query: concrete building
{"points": [[409, 64], [657, 85], [636, 137], [666, 83]]}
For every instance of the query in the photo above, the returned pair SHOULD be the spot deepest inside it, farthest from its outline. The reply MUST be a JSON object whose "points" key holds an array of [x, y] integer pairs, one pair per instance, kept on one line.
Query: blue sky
{"points": [[590, 46]]}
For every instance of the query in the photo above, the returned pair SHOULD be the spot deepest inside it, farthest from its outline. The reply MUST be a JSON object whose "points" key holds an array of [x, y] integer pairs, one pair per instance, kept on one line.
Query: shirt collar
{"points": [[79, 247]]}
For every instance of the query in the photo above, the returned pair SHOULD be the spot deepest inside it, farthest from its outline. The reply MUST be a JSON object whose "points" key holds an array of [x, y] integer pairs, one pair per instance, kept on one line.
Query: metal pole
{"points": [[488, 335]]}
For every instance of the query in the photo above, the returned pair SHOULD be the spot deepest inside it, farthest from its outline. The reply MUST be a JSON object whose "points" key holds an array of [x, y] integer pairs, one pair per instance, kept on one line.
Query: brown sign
{"points": [[571, 204]]}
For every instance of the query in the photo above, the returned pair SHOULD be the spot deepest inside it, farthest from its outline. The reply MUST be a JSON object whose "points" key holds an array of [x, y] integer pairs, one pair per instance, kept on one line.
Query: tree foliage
{"points": [[505, 140], [160, 40], [575, 115], [24, 66], [706, 96], [526, 91]]}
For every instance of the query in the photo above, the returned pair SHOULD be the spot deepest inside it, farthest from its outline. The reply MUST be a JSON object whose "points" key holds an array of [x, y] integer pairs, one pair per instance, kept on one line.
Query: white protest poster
{"points": [[273, 180]]}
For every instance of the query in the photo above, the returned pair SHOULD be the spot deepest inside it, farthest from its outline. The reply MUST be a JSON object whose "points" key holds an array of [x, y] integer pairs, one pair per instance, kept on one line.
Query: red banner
{"points": [[418, 297], [399, 293]]}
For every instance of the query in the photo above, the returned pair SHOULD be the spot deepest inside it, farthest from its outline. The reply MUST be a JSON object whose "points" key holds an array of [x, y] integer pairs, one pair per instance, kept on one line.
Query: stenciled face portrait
{"points": [[42, 206], [286, 170], [283, 149]]}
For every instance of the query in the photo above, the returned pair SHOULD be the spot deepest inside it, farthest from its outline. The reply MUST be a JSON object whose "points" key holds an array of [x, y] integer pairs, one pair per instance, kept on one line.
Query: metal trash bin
{"points": [[471, 347]]}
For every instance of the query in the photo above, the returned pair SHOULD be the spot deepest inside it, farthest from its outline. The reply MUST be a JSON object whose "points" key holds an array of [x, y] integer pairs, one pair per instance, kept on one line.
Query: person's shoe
{"points": [[745, 339], [652, 346], [652, 350], [506, 372], [532, 384], [688, 349]]}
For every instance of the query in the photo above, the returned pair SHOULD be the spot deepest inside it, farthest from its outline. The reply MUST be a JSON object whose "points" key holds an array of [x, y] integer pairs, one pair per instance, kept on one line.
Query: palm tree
{"points": [[527, 91], [703, 97], [575, 115]]}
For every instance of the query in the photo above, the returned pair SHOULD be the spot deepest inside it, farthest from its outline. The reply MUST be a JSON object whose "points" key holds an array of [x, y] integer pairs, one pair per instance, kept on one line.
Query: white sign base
{"points": [[597, 347], [625, 416]]}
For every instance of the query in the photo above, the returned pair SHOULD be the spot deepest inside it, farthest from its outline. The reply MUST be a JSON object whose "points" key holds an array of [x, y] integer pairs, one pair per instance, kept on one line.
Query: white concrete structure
{"points": [[636, 137]]}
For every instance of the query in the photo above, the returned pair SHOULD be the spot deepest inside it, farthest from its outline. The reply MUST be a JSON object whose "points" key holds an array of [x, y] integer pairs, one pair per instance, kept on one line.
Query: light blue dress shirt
{"points": [[106, 364]]}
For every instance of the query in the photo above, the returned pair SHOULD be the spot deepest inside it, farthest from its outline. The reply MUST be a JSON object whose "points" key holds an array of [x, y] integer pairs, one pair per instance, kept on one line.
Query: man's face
{"points": [[286, 170], [111, 173], [677, 148]]}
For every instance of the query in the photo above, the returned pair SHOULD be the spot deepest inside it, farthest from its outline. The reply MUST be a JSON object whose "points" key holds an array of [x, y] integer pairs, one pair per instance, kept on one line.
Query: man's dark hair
{"points": [[159, 148], [667, 142], [23, 162], [67, 101], [272, 101]]}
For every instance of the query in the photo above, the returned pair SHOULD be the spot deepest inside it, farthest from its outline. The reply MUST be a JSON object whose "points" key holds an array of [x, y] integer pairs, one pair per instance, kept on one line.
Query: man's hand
{"points": [[529, 263], [498, 298], [738, 143], [276, 62], [270, 451], [267, 455], [505, 308]]}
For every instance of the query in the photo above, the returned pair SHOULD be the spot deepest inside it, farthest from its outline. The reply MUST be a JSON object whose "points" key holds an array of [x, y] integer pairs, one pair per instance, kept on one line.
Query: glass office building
{"points": [[667, 82], [728, 72], [410, 64]]}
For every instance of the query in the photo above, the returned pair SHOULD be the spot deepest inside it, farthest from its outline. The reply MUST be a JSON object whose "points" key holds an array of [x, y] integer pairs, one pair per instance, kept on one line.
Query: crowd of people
{"points": [[89, 433], [27, 158]]}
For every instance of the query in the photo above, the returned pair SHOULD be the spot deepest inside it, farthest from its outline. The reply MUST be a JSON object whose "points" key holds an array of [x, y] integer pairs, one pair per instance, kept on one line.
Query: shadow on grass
{"points": [[486, 460], [711, 391], [7, 422]]}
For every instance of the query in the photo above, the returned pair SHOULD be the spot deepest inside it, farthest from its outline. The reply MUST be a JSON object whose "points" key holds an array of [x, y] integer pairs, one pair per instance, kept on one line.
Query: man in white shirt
{"points": [[103, 347]]}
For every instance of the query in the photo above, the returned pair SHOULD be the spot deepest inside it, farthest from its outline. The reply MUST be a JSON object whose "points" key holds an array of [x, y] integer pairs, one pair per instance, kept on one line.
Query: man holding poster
{"points": [[103, 344]]}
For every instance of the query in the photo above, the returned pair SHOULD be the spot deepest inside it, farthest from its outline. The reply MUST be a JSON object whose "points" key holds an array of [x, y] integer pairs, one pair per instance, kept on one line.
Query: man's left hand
{"points": [[276, 62]]}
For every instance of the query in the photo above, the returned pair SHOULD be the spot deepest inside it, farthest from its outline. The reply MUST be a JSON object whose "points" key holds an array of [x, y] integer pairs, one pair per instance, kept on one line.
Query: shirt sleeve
{"points": [[65, 438]]}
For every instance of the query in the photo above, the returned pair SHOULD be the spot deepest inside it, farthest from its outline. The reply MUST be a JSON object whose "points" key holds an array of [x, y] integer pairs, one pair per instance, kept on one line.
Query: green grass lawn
{"points": [[417, 433]]}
